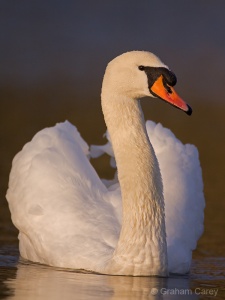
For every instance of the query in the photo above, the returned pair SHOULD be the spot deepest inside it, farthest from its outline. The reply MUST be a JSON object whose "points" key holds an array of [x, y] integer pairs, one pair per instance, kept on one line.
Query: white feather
{"points": [[67, 217]]}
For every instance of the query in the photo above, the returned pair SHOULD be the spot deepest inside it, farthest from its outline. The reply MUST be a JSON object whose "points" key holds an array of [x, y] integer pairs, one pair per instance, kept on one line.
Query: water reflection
{"points": [[40, 282], [24, 280]]}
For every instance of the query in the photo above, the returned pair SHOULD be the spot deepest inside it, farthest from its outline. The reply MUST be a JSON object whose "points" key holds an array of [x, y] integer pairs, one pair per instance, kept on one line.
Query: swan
{"points": [[68, 217]]}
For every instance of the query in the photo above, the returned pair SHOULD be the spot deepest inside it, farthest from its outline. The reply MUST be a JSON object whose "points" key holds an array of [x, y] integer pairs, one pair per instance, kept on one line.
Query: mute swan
{"points": [[68, 218]]}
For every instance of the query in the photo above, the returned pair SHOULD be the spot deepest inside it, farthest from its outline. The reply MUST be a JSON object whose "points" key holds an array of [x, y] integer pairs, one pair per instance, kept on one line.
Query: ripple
{"points": [[24, 280]]}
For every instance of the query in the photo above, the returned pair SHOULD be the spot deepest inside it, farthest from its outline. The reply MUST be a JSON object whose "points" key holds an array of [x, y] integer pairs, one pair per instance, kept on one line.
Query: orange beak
{"points": [[169, 95]]}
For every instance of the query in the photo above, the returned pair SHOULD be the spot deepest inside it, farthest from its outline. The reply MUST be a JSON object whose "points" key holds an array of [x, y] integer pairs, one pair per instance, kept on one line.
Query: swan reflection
{"points": [[35, 281]]}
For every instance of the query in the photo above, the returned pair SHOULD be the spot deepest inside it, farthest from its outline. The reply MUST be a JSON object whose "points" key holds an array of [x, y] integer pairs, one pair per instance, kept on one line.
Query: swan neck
{"points": [[142, 242]]}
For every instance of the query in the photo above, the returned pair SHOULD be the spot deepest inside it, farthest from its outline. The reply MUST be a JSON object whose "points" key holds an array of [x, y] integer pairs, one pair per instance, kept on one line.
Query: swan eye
{"points": [[141, 68]]}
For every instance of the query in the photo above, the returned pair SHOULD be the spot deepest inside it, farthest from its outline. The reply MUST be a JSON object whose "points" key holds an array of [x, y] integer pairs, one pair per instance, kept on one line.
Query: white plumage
{"points": [[183, 191], [67, 217]]}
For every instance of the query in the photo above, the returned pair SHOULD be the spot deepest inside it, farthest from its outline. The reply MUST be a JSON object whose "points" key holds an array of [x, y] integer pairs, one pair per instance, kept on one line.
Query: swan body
{"points": [[141, 224]]}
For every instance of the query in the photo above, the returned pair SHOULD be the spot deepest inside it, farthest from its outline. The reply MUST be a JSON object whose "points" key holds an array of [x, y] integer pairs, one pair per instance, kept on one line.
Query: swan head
{"points": [[139, 74]]}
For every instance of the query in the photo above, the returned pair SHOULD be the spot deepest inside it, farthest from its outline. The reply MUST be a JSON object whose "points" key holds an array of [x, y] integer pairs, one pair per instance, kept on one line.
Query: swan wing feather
{"points": [[69, 218]]}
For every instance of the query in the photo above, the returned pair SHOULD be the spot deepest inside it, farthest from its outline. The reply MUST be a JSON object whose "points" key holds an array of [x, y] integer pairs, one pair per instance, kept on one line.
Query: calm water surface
{"points": [[23, 280]]}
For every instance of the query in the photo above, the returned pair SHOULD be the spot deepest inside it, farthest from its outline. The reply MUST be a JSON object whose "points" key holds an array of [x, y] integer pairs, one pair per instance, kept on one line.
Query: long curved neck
{"points": [[141, 249]]}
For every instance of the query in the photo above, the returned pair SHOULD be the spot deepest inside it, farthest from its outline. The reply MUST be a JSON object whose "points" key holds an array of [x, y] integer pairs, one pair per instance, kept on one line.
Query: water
{"points": [[24, 280]]}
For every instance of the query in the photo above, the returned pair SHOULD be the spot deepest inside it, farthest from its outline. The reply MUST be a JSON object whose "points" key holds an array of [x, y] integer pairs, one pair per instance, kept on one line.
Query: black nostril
{"points": [[168, 89]]}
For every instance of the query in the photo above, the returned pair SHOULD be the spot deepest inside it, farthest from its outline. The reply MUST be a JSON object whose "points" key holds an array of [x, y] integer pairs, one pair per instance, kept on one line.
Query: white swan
{"points": [[68, 218]]}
